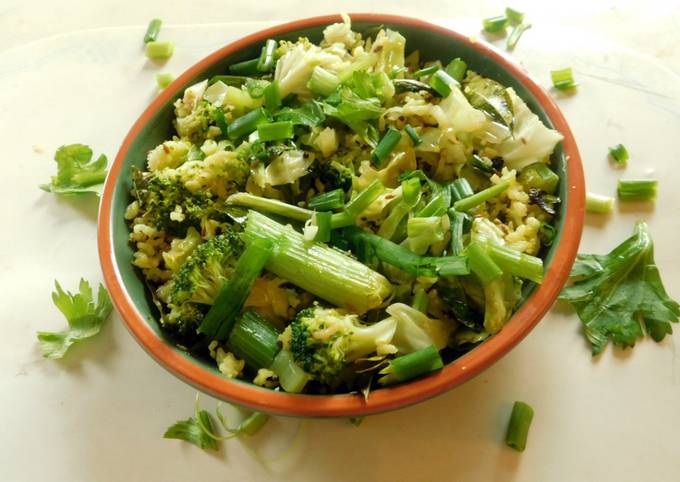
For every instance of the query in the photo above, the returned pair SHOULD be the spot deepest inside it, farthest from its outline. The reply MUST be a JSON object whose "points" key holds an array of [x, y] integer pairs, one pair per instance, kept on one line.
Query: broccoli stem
{"points": [[323, 271]]}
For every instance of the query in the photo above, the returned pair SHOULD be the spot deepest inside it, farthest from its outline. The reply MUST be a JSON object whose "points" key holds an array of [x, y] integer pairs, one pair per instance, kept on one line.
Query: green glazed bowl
{"points": [[129, 292]]}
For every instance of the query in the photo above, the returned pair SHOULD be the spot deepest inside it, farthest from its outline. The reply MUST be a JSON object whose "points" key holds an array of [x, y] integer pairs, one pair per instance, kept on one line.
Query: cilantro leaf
{"points": [[616, 294], [192, 430], [76, 172], [85, 318]]}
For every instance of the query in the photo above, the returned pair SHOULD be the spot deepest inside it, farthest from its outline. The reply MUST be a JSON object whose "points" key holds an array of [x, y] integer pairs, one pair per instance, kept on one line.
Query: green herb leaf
{"points": [[191, 430], [617, 293], [76, 172], [85, 318]]}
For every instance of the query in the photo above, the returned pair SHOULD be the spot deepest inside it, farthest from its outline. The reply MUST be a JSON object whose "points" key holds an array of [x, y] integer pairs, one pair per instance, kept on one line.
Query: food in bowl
{"points": [[338, 216]]}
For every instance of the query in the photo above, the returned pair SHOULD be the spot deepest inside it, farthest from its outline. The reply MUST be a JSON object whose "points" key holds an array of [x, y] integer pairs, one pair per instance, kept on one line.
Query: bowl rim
{"points": [[344, 405]]}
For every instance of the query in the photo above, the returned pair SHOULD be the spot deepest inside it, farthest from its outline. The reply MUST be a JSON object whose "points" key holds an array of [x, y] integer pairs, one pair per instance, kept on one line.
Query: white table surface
{"points": [[73, 71]]}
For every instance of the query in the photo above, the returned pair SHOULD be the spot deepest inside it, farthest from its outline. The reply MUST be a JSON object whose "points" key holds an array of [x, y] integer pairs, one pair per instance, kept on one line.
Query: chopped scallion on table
{"points": [[516, 34], [159, 50], [518, 426], [599, 204], [495, 24], [563, 79], [152, 30], [514, 17], [637, 189], [163, 80], [619, 153]]}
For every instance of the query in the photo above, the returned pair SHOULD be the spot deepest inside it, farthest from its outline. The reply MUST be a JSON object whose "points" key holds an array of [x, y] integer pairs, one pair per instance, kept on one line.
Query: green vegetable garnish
{"points": [[619, 293], [516, 34], [161, 51], [619, 153], [152, 30], [77, 173], [599, 204], [495, 24], [85, 318], [563, 79], [637, 189], [163, 80], [518, 426]]}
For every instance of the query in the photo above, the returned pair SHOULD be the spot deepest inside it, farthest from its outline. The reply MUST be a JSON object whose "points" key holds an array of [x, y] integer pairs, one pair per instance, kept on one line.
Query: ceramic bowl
{"points": [[131, 299]]}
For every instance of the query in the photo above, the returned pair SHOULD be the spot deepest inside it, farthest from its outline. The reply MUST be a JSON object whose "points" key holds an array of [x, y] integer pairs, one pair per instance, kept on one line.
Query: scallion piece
{"points": [[156, 50], [273, 206], [460, 189], [361, 201], [520, 264], [152, 30], [322, 220], [437, 206], [518, 426], [514, 17], [516, 35], [275, 131], [410, 366], [495, 24], [251, 425], [481, 163], [457, 69], [246, 124], [220, 319], [220, 121], [267, 58], [420, 300], [619, 153], [637, 189], [563, 79], [327, 201], [425, 71], [413, 134], [481, 263], [246, 68], [232, 80], [322, 82], [457, 221], [538, 175], [292, 378], [385, 146], [481, 197], [599, 204], [256, 88], [411, 190], [272, 96], [254, 340], [163, 80], [442, 83]]}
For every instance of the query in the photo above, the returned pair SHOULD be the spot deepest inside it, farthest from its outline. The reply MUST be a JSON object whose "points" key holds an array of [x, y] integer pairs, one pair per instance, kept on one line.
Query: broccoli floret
{"points": [[324, 340], [334, 175], [183, 320], [167, 204], [201, 276], [194, 125]]}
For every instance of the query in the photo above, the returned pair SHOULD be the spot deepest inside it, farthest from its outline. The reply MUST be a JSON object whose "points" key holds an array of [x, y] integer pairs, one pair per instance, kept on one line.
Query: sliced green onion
{"points": [[481, 197], [361, 201], [156, 50], [323, 224], [256, 88], [495, 24], [425, 71], [253, 424], [254, 340], [163, 80], [457, 221], [220, 121], [402, 258], [292, 378], [437, 206], [516, 35], [413, 365], [388, 228], [481, 263], [637, 189], [563, 79], [246, 68], [520, 264], [152, 30], [599, 204], [410, 191], [514, 17], [442, 82], [275, 131], [322, 82], [539, 176], [267, 58], [268, 205], [322, 270], [246, 124], [327, 201], [460, 189], [482, 163], [457, 69], [220, 319], [232, 80], [413, 134], [619, 153], [420, 300], [272, 96], [385, 146], [518, 426]]}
